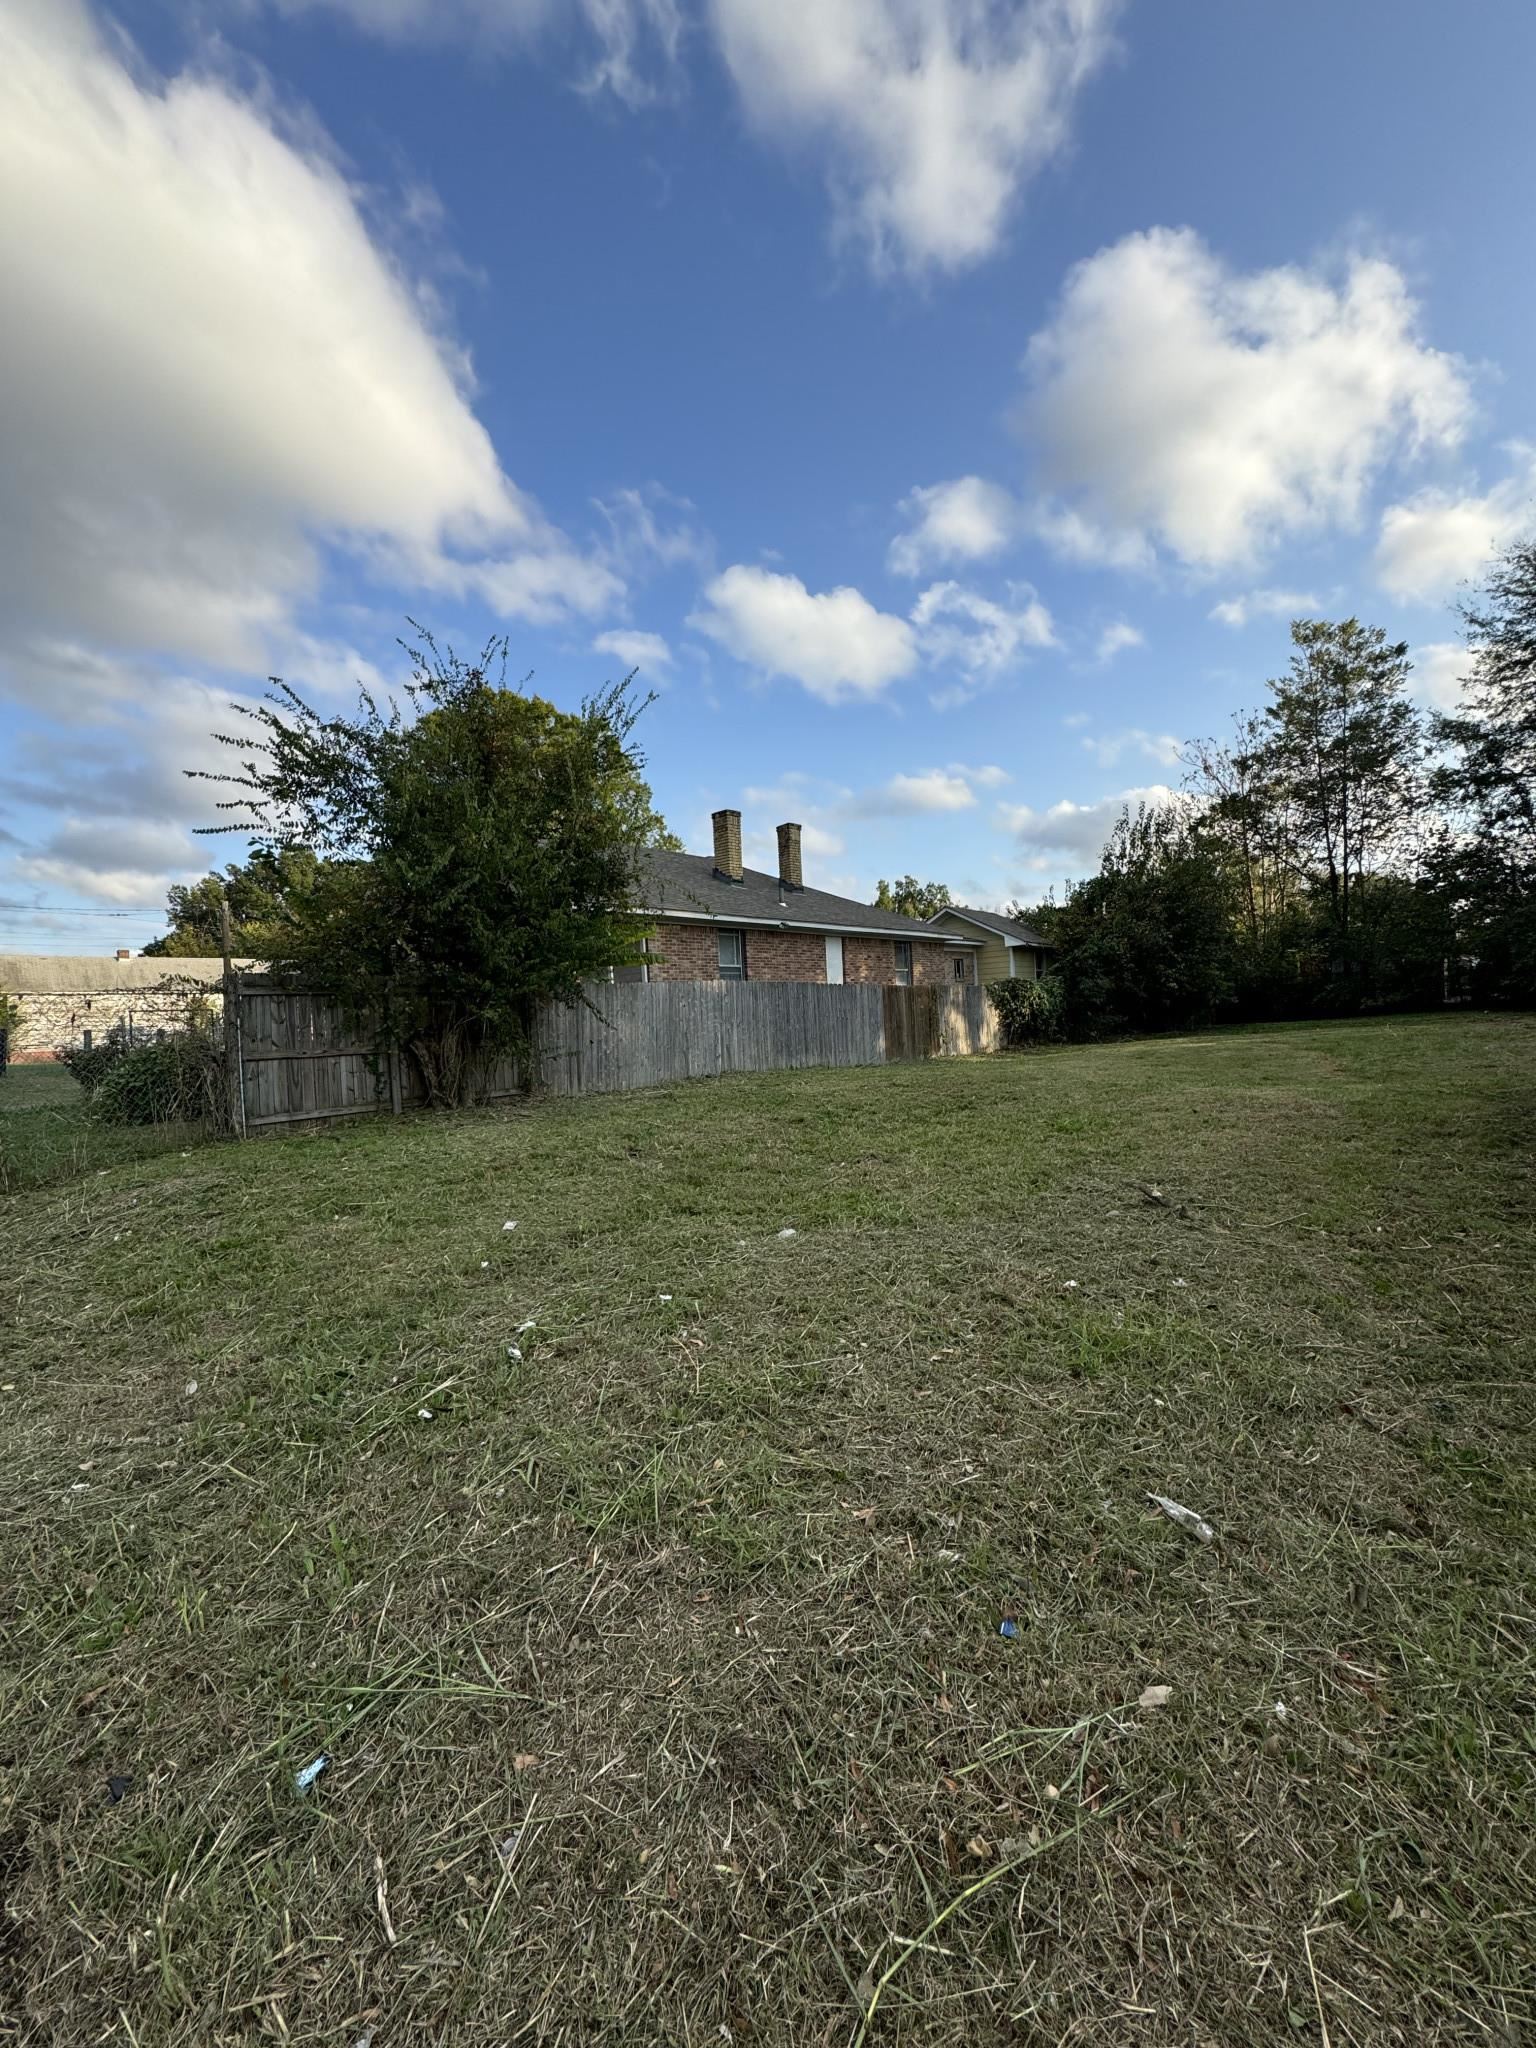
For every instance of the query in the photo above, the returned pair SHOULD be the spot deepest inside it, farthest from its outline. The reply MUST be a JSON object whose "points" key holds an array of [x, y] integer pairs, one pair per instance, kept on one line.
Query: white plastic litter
{"points": [[1186, 1518], [510, 1226], [1067, 1285], [529, 1325], [513, 1352], [1155, 1696], [423, 1414], [485, 1265], [191, 1387], [302, 1780], [787, 1233], [663, 1297]]}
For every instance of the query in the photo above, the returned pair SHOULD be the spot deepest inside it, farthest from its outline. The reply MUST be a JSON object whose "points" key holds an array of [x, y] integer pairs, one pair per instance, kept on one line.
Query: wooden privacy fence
{"points": [[299, 1059]]}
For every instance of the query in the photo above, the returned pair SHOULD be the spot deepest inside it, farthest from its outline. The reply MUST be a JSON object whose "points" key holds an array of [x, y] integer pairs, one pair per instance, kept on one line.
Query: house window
{"points": [[962, 967], [637, 970], [904, 962], [733, 956]]}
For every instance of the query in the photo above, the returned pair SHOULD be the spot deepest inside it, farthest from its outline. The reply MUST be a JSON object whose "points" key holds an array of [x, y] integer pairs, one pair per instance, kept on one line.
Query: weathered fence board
{"points": [[301, 1060]]}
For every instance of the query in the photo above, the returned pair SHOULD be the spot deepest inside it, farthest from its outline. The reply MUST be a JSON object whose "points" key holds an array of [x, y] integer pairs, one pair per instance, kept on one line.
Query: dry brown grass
{"points": [[660, 1670]]}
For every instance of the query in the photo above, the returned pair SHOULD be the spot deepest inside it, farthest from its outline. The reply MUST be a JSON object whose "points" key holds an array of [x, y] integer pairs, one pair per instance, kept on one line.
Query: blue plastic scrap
{"points": [[302, 1780]]}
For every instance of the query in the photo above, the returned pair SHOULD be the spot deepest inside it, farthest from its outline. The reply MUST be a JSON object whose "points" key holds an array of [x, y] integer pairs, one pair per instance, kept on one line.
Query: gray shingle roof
{"points": [[686, 884], [1007, 928]]}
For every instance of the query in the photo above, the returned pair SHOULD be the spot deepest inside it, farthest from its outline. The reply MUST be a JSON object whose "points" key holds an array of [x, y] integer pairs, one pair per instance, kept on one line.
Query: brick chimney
{"points": [[728, 845], [789, 857]]}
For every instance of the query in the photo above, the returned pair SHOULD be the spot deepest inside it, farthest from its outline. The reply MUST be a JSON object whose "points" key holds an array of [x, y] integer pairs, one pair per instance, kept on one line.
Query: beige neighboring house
{"points": [[65, 999], [1010, 951]]}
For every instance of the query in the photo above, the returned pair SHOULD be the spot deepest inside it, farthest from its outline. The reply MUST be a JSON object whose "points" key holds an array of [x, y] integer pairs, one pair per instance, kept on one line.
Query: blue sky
{"points": [[945, 402]]}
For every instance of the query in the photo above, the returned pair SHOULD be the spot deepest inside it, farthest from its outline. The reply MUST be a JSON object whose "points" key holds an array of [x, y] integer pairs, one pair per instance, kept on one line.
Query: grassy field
{"points": [[659, 1668], [47, 1135]]}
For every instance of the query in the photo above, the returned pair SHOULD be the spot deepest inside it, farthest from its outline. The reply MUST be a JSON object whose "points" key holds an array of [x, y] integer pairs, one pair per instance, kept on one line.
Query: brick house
{"points": [[716, 920]]}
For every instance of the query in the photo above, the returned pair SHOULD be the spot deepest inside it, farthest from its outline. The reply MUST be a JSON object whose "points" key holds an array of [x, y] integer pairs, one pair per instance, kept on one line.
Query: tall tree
{"points": [[1248, 814], [912, 898], [261, 893], [1488, 778], [1343, 748], [478, 859]]}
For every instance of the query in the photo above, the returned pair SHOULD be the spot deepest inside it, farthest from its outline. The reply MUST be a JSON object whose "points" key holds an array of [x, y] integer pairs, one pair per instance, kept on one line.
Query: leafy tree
{"points": [[1040, 917], [1248, 816], [474, 862], [261, 894], [1146, 944], [912, 898], [1488, 780], [1341, 752], [1312, 807]]}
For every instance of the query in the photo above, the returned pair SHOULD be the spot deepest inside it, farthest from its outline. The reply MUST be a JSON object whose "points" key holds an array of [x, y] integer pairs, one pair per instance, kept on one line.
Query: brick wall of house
{"points": [[937, 964], [869, 960], [683, 952], [680, 952]]}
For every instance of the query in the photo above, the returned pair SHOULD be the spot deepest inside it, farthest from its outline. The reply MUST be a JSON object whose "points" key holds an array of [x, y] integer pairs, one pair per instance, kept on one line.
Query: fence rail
{"points": [[300, 1060]]}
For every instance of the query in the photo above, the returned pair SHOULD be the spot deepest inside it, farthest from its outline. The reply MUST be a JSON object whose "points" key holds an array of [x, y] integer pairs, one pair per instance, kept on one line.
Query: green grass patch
{"points": [[659, 1667], [47, 1134]]}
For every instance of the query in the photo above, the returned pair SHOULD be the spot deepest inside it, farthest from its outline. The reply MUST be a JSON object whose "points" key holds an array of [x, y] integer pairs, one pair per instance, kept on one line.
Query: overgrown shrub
{"points": [[1030, 1012], [178, 1079], [90, 1064]]}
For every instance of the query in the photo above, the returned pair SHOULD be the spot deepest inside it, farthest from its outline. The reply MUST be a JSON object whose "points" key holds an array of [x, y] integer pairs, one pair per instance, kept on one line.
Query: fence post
{"points": [[234, 1050]]}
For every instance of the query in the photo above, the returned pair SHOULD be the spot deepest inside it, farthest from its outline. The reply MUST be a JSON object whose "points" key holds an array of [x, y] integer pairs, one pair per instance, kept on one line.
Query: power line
{"points": [[10, 911]]}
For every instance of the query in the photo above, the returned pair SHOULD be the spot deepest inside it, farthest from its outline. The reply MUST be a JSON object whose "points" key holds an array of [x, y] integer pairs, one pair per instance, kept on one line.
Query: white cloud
{"points": [[1116, 638], [644, 651], [962, 630], [934, 113], [1161, 747], [1435, 540], [933, 789], [225, 373], [1077, 831], [905, 794], [1439, 668], [815, 804], [964, 520], [628, 47], [651, 528], [1175, 403], [1076, 539], [834, 642], [116, 860], [1265, 604]]}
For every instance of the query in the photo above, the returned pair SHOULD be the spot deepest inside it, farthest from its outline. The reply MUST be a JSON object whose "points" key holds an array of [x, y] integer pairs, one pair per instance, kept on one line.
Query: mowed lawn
{"points": [[659, 1669]]}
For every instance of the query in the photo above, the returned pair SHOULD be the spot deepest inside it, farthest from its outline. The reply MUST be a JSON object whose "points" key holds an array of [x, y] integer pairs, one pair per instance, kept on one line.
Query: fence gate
{"points": [[298, 1058]]}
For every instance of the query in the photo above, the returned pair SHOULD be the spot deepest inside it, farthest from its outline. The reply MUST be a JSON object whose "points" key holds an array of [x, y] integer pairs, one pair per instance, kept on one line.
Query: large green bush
{"points": [[177, 1079], [90, 1064], [1030, 1012]]}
